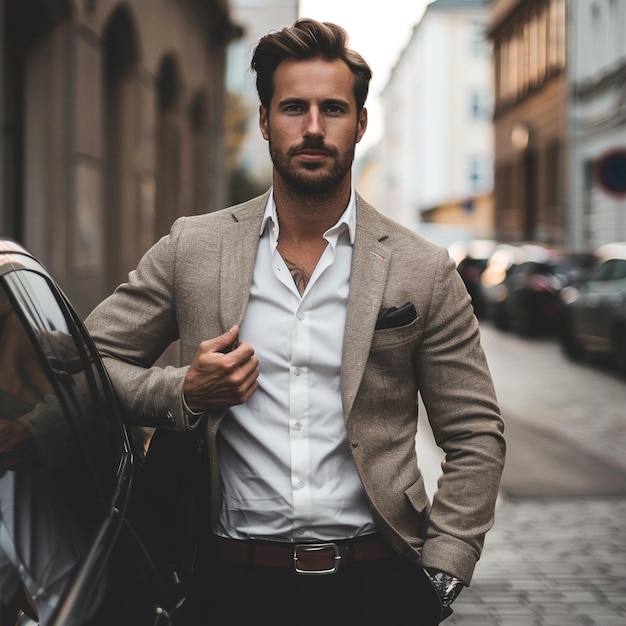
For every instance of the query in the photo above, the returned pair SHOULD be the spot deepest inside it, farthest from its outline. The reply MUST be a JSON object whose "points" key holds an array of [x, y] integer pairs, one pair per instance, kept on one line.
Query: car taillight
{"points": [[541, 283], [470, 273]]}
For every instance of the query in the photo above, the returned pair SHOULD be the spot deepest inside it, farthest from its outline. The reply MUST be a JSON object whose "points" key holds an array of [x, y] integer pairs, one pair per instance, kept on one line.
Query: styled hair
{"points": [[307, 39]]}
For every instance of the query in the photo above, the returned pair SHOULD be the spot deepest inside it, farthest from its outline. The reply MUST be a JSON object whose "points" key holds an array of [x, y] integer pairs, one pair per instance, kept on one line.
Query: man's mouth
{"points": [[312, 153]]}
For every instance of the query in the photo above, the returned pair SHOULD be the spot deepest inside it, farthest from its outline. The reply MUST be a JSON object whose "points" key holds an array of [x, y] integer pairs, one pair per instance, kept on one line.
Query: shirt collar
{"points": [[346, 221]]}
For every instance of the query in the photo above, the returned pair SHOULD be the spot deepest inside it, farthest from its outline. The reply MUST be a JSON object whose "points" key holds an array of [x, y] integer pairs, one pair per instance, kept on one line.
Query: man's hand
{"points": [[18, 450], [221, 375]]}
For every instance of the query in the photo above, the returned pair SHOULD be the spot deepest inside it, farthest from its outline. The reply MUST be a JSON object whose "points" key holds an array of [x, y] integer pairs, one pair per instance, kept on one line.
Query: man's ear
{"points": [[361, 124], [264, 122]]}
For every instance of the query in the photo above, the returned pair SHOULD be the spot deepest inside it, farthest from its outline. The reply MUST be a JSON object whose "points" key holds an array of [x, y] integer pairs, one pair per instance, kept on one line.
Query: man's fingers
{"points": [[246, 374], [221, 375], [224, 342]]}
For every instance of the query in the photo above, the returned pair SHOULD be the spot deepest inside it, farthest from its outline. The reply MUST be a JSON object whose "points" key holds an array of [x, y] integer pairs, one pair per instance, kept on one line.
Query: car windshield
{"points": [[613, 269]]}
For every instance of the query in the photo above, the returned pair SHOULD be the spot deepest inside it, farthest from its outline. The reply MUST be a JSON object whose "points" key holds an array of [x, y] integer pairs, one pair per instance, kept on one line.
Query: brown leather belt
{"points": [[303, 558]]}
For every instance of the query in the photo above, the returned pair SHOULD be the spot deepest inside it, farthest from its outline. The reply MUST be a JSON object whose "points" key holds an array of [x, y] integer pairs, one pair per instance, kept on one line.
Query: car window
{"points": [[50, 379], [57, 491], [604, 271], [619, 271], [21, 386]]}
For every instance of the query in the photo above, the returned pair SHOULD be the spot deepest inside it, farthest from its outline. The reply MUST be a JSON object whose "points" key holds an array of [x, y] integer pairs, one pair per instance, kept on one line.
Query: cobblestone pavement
{"points": [[553, 561], [584, 402], [550, 563]]}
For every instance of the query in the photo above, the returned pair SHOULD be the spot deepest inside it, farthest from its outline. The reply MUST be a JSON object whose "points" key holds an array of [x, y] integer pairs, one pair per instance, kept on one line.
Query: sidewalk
{"points": [[551, 561]]}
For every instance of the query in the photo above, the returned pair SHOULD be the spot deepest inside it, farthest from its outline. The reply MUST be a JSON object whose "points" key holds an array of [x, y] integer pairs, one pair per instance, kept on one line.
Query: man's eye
{"points": [[334, 109], [292, 108]]}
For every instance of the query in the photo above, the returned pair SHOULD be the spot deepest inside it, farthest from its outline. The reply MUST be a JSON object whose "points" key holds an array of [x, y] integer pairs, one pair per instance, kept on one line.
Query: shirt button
{"points": [[301, 531], [297, 426], [298, 371], [300, 316], [300, 484]]}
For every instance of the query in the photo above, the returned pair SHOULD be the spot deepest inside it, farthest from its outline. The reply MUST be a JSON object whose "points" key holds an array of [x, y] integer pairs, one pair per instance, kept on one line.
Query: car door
{"points": [[601, 297], [80, 540]]}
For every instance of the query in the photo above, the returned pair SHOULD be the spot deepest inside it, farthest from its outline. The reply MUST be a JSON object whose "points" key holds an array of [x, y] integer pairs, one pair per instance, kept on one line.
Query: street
{"points": [[557, 553]]}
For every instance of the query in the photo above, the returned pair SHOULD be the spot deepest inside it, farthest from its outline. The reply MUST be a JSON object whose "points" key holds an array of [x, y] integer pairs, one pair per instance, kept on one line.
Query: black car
{"points": [[472, 258], [471, 270], [529, 294], [99, 521], [594, 319]]}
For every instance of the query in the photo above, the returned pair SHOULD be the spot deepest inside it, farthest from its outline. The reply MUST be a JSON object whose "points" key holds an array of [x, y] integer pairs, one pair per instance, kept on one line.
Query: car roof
{"points": [[613, 250]]}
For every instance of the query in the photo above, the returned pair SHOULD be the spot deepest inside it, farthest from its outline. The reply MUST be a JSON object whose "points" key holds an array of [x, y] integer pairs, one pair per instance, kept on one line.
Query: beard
{"points": [[312, 178]]}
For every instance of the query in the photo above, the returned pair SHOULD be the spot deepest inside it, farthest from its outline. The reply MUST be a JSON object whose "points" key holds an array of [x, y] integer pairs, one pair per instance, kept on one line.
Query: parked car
{"points": [[503, 259], [131, 534], [529, 299], [472, 258], [594, 310]]}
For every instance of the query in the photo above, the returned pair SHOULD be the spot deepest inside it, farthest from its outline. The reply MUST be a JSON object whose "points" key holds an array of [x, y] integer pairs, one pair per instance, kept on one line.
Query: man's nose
{"points": [[314, 123]]}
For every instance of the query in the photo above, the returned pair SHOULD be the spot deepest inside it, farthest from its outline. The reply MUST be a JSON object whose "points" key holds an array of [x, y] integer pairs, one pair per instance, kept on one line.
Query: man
{"points": [[308, 324]]}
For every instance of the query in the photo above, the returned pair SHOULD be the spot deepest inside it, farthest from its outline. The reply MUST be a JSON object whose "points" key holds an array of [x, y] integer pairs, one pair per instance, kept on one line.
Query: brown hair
{"points": [[307, 39]]}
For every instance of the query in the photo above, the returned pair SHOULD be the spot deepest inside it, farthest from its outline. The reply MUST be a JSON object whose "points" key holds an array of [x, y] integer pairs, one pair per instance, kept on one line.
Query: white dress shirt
{"points": [[284, 457]]}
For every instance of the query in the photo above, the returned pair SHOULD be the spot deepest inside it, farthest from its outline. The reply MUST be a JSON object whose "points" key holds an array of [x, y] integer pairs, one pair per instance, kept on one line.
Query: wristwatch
{"points": [[193, 417], [447, 586]]}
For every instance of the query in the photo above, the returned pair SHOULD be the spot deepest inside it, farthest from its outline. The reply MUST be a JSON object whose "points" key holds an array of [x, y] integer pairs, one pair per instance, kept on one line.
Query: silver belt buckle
{"points": [[316, 547]]}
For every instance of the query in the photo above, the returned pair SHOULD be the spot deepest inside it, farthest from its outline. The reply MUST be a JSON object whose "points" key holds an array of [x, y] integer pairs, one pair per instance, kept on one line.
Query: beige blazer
{"points": [[194, 284]]}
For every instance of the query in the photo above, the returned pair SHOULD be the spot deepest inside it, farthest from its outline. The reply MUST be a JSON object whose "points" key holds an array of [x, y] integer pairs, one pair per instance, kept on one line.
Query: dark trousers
{"points": [[389, 592]]}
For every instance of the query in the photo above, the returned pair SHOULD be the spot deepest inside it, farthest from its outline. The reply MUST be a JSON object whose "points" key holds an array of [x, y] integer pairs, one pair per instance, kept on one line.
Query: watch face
{"points": [[448, 587], [430, 599]]}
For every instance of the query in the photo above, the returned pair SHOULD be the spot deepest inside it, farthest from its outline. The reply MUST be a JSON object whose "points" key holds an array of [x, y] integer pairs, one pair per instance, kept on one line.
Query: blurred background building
{"points": [[597, 181], [531, 120], [248, 160], [560, 71], [503, 119], [111, 125], [436, 155]]}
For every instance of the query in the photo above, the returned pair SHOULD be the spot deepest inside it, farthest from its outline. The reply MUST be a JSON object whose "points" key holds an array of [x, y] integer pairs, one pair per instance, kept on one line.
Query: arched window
{"points": [[121, 57], [33, 158], [199, 117], [169, 140]]}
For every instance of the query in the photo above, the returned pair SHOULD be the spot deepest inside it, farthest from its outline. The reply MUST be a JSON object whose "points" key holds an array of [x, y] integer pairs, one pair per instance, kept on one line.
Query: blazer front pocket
{"points": [[411, 334], [418, 497]]}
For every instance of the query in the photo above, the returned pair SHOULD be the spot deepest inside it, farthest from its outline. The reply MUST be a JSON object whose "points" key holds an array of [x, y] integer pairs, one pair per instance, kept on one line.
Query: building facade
{"points": [[111, 127], [257, 18], [598, 75], [436, 155], [531, 120]]}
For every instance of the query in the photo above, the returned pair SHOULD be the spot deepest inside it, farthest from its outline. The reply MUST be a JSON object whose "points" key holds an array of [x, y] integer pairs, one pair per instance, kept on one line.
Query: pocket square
{"points": [[393, 317]]}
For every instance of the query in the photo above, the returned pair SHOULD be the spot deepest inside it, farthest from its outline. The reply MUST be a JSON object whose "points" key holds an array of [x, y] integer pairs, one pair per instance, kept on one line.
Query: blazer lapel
{"points": [[370, 265], [239, 245]]}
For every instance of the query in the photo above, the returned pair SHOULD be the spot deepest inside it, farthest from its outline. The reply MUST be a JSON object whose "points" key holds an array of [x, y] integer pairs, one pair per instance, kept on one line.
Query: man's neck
{"points": [[304, 217]]}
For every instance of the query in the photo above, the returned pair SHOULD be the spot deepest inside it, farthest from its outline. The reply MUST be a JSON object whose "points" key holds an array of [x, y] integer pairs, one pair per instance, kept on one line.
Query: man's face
{"points": [[312, 124]]}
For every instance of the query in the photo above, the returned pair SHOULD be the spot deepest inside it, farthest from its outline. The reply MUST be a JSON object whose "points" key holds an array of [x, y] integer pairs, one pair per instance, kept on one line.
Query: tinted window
{"points": [[604, 271], [52, 380], [44, 353], [23, 382], [620, 269]]}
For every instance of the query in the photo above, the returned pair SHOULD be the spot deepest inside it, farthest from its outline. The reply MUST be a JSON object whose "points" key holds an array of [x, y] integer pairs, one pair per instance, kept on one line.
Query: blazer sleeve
{"points": [[460, 400], [133, 327]]}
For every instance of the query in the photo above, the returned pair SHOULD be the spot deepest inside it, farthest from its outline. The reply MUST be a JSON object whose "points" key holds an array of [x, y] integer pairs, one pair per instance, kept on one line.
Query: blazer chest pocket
{"points": [[397, 336]]}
